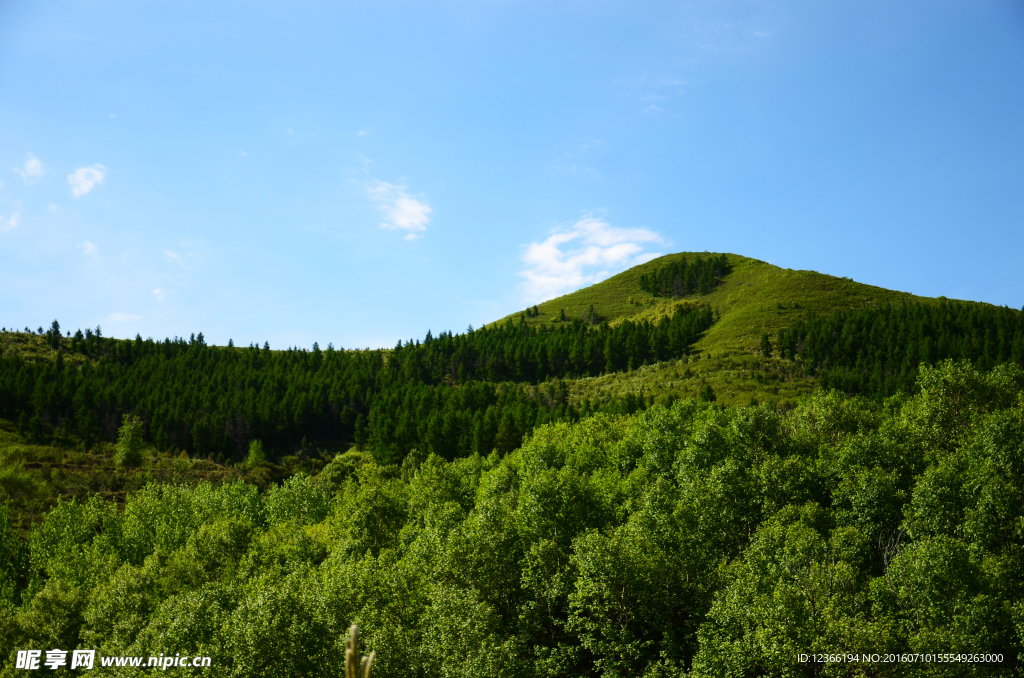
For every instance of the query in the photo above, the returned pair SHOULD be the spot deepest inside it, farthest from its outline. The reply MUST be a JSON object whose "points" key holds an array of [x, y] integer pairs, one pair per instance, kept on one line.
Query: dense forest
{"points": [[475, 520], [449, 395], [876, 350], [685, 276], [694, 540]]}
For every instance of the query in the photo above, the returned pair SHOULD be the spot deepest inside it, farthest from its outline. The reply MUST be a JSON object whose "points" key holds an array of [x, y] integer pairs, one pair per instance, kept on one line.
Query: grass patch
{"points": [[735, 379]]}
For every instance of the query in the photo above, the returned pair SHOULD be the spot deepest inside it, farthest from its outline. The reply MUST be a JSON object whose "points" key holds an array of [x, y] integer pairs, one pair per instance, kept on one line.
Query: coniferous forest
{"points": [[449, 395], [685, 276], [475, 519], [876, 351]]}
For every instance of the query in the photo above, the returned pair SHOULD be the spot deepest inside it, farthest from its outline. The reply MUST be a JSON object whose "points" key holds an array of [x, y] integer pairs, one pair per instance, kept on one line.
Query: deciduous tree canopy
{"points": [[697, 538]]}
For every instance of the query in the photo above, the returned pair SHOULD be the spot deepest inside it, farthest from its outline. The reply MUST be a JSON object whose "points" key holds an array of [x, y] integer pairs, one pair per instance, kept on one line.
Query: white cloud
{"points": [[88, 249], [243, 153], [54, 209], [123, 317], [32, 168], [10, 223], [402, 212], [586, 252], [362, 132], [187, 259], [159, 294], [1, 184], [84, 179]]}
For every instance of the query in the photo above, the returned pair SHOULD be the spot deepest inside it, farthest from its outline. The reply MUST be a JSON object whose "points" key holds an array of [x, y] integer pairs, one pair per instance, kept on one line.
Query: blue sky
{"points": [[357, 173]]}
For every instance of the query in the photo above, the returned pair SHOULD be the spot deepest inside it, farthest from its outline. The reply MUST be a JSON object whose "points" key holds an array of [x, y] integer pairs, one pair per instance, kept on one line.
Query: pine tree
{"points": [[53, 335], [256, 457]]}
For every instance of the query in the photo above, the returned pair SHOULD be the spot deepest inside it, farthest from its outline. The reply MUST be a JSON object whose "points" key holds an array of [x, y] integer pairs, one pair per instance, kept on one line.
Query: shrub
{"points": [[129, 442]]}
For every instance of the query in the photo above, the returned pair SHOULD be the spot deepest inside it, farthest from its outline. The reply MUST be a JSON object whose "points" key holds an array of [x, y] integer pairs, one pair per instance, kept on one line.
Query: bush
{"points": [[256, 456], [129, 442]]}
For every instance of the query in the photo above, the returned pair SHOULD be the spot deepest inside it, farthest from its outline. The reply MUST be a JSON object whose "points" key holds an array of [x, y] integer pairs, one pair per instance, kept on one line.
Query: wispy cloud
{"points": [[31, 169], [402, 212], [362, 132], [586, 252], [159, 294], [11, 222], [124, 317], [88, 249], [184, 258], [84, 179]]}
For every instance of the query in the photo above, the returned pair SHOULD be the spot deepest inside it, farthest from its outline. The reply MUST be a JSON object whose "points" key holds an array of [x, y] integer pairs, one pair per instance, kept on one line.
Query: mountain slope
{"points": [[754, 298]]}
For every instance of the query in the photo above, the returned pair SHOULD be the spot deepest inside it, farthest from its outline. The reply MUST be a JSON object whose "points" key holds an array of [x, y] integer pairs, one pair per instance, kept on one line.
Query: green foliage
{"points": [[75, 541], [877, 350], [706, 393], [454, 395], [256, 457], [17, 483], [684, 276], [129, 442], [53, 338], [297, 500], [450, 394], [14, 560], [695, 539]]}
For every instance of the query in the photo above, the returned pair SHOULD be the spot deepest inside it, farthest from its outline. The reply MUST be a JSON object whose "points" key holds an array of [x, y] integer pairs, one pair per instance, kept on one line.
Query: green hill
{"points": [[753, 299]]}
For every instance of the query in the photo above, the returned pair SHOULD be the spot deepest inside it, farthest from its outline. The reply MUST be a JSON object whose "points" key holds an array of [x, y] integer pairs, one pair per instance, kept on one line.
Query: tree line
{"points": [[877, 350], [516, 351], [685, 276], [449, 395]]}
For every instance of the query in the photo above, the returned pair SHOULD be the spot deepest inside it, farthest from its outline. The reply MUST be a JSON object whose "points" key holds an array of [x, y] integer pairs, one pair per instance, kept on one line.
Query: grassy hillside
{"points": [[754, 298], [32, 346]]}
